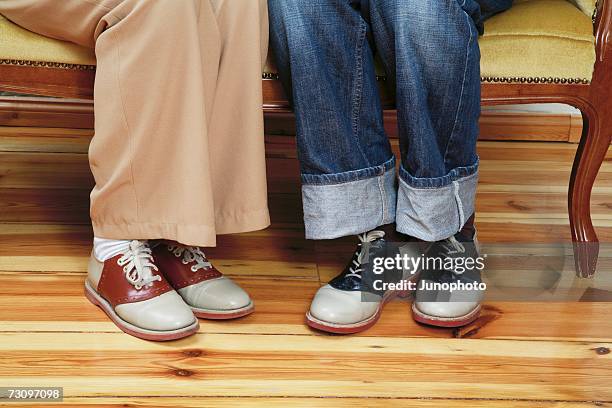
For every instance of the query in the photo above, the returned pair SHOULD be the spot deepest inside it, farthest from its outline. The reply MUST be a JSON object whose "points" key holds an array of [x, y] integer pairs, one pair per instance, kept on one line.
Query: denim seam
{"points": [[388, 68], [383, 197], [358, 88], [459, 203], [467, 60], [453, 176], [458, 180], [353, 175]]}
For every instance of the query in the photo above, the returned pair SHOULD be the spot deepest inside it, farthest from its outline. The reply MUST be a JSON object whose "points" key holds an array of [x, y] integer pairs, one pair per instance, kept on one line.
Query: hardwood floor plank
{"points": [[123, 386], [371, 380], [213, 402]]}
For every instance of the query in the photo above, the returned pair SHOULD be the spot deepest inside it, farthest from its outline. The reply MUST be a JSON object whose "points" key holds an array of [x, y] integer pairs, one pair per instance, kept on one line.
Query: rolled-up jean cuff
{"points": [[437, 212], [337, 205]]}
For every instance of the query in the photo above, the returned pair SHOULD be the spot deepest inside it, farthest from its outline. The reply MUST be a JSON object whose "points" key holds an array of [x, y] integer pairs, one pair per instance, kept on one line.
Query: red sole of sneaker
{"points": [[224, 316], [133, 331], [355, 327], [421, 317]]}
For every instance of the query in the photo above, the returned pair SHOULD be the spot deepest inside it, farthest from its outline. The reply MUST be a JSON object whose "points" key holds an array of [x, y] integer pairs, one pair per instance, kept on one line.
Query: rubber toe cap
{"points": [[340, 307], [166, 312], [221, 294]]}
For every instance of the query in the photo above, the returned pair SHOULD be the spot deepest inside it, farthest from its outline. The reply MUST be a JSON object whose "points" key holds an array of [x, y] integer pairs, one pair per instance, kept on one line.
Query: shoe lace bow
{"points": [[138, 266], [191, 254]]}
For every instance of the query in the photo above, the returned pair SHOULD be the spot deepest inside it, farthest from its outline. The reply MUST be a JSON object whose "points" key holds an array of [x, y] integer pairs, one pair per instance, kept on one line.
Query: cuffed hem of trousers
{"points": [[433, 209], [349, 203]]}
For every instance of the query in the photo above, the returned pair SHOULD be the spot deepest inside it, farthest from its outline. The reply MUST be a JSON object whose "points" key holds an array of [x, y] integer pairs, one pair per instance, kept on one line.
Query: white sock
{"points": [[104, 249]]}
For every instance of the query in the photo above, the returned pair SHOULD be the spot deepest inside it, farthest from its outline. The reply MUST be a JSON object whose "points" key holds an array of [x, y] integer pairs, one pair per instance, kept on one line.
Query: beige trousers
{"points": [[178, 150]]}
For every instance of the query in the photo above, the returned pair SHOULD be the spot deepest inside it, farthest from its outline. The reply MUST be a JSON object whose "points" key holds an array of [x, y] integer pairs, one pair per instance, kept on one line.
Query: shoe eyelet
{"points": [[194, 269], [184, 262]]}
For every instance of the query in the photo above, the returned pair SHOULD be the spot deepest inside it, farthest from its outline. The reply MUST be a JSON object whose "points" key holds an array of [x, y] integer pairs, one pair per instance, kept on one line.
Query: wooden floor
{"points": [[516, 355]]}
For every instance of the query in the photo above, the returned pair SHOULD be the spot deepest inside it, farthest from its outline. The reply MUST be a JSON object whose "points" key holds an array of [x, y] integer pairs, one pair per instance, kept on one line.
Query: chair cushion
{"points": [[519, 43], [539, 39]]}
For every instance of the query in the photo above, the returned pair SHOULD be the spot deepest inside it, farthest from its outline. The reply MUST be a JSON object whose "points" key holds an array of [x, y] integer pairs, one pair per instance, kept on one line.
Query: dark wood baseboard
{"points": [[531, 126], [33, 111], [507, 126], [78, 114]]}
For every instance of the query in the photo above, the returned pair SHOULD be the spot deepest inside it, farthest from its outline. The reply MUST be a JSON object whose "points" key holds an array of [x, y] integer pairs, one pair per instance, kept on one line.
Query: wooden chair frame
{"points": [[593, 99]]}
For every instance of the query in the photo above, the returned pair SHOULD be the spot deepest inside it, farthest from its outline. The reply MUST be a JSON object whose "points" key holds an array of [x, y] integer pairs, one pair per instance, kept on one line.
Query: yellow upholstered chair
{"points": [[539, 51]]}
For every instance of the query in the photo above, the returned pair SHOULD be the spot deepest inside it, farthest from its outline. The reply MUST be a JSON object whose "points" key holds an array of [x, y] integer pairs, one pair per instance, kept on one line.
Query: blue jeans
{"points": [[325, 53]]}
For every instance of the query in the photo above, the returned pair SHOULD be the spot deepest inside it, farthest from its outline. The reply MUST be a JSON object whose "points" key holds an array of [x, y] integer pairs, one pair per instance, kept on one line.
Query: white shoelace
{"points": [[357, 267], [191, 254], [138, 266], [453, 246]]}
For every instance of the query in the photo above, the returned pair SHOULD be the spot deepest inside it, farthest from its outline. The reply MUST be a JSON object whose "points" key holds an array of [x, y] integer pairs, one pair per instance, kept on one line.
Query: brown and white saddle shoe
{"points": [[209, 294], [139, 301]]}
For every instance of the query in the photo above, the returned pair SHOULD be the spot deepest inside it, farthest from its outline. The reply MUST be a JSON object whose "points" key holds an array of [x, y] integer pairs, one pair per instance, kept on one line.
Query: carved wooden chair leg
{"points": [[589, 157]]}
